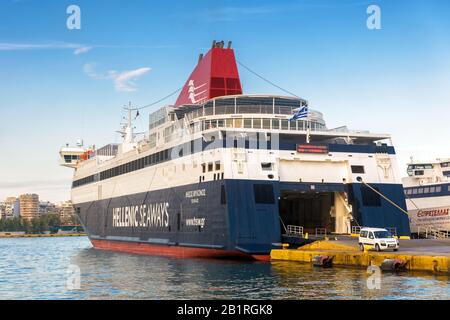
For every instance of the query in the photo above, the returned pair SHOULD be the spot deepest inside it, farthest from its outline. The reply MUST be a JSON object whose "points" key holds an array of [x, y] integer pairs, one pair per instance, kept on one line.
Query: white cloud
{"points": [[124, 81], [76, 47], [81, 50]]}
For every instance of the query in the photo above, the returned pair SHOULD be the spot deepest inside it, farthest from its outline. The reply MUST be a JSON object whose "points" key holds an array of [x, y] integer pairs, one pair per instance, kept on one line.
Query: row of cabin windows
{"points": [[259, 123], [83, 181], [211, 166], [231, 109], [70, 158], [141, 163], [424, 190], [138, 164]]}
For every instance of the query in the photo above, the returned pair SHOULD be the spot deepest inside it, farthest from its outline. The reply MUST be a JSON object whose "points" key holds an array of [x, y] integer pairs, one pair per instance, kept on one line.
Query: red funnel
{"points": [[215, 75]]}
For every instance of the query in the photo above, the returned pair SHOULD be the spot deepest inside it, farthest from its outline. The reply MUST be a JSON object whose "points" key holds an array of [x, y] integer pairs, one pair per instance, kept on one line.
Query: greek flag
{"points": [[301, 113]]}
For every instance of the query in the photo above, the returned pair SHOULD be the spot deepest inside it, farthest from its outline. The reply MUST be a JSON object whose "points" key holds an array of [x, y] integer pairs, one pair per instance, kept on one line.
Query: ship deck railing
{"points": [[295, 231], [320, 233], [429, 232]]}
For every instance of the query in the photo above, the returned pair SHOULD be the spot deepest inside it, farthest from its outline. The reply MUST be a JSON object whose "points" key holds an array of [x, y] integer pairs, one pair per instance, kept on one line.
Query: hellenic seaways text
{"points": [[145, 215]]}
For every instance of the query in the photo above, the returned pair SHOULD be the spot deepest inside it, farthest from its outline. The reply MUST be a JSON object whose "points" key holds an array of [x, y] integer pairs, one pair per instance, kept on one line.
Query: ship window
{"points": [[419, 173], [369, 197], [284, 124], [301, 125], [217, 165], [220, 109], [257, 123], [203, 167], [420, 191], [432, 189], [275, 124], [263, 193], [247, 123], [438, 189], [210, 167], [426, 190], [414, 191], [229, 123], [220, 123], [293, 125], [238, 123], [208, 110], [266, 166], [357, 169]]}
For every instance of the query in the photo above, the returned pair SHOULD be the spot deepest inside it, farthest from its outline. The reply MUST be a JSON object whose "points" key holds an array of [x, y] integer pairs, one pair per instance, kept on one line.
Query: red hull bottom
{"points": [[172, 251]]}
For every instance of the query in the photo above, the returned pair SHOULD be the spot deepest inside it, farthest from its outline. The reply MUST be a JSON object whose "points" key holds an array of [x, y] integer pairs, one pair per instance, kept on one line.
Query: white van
{"points": [[379, 239]]}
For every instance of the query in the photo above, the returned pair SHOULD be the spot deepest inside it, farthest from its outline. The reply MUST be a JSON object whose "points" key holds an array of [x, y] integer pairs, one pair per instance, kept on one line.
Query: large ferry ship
{"points": [[226, 174], [427, 190]]}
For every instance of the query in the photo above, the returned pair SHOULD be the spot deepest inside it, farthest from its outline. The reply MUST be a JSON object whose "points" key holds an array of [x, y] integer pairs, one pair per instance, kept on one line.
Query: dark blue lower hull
{"points": [[227, 215]]}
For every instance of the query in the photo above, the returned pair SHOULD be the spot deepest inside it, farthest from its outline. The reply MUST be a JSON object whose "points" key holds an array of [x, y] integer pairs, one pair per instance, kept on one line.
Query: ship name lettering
{"points": [[145, 216], [433, 213], [196, 193]]}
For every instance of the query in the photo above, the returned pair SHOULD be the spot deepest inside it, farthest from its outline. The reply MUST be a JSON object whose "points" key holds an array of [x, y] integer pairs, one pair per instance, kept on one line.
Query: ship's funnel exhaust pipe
{"points": [[215, 75]]}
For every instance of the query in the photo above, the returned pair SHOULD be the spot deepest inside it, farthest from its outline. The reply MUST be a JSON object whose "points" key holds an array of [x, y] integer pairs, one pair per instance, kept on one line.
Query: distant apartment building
{"points": [[2, 210], [29, 206], [66, 210], [46, 207], [10, 208]]}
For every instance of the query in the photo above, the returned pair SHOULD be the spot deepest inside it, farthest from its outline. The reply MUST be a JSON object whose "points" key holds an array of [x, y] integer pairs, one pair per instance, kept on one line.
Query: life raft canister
{"points": [[322, 261], [393, 265]]}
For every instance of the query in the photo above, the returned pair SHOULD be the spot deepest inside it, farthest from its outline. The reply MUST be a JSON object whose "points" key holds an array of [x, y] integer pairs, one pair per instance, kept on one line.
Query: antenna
{"points": [[128, 128]]}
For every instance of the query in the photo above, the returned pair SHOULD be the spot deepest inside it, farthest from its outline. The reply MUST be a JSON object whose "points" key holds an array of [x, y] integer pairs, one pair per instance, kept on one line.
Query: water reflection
{"points": [[37, 269]]}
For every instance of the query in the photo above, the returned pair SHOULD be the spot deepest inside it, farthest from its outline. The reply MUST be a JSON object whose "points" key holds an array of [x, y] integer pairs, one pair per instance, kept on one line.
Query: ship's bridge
{"points": [[254, 113]]}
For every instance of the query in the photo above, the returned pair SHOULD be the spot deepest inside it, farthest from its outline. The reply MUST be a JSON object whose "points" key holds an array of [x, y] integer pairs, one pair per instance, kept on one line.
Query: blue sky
{"points": [[57, 85]]}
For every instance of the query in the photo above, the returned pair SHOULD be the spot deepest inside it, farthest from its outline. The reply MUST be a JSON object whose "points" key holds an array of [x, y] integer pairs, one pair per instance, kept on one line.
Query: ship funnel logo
{"points": [[194, 95]]}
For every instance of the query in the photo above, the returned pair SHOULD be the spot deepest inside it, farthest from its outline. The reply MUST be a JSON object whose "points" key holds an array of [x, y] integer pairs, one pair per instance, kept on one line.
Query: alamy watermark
{"points": [[374, 19], [73, 281], [73, 22], [374, 280]]}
